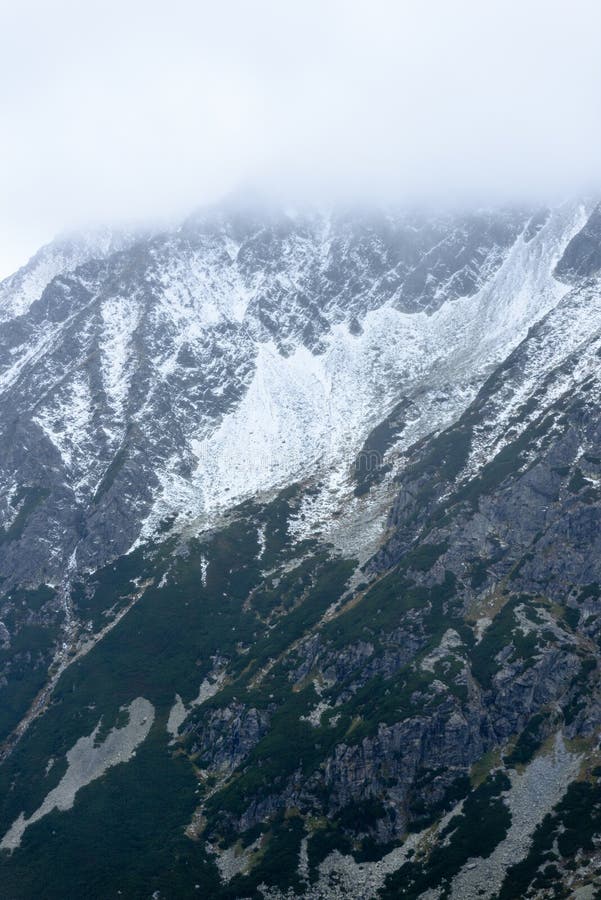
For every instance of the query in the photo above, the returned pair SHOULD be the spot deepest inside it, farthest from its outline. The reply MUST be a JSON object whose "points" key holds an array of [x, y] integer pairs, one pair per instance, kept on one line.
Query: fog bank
{"points": [[117, 112]]}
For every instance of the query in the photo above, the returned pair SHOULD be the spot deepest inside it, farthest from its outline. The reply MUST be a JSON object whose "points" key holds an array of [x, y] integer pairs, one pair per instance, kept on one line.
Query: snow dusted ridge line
{"points": [[241, 353], [65, 254], [306, 414]]}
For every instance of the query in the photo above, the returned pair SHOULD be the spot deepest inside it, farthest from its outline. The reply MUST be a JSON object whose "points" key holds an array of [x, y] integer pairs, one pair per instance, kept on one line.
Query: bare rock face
{"points": [[227, 736]]}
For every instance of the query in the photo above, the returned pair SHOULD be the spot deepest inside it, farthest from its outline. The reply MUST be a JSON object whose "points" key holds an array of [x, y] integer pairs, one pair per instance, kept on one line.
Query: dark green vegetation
{"points": [[227, 598], [424, 815], [166, 644], [528, 742], [278, 863], [26, 660], [476, 831], [571, 828], [126, 831], [503, 632]]}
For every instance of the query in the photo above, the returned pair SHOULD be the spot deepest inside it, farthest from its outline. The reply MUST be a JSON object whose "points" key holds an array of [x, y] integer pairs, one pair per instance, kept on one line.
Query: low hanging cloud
{"points": [[116, 112]]}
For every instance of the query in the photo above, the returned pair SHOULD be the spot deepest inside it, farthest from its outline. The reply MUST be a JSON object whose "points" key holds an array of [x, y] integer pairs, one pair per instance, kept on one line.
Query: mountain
{"points": [[300, 575]]}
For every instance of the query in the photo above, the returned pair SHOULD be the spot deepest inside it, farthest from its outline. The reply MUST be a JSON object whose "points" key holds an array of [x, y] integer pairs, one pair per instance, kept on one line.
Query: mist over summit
{"points": [[119, 113]]}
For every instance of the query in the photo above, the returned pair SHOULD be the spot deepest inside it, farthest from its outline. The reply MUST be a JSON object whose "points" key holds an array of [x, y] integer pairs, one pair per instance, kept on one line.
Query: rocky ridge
{"points": [[370, 721]]}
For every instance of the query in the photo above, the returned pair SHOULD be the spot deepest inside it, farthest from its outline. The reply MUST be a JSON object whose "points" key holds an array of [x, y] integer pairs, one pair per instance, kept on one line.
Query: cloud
{"points": [[121, 111]]}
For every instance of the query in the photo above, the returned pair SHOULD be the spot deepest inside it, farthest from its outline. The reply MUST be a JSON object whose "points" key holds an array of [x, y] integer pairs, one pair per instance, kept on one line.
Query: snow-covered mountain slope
{"points": [[202, 435], [19, 291], [242, 352]]}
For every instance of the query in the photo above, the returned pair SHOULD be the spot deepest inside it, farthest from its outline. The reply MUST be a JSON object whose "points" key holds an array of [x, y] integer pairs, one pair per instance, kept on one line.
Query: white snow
{"points": [[307, 415], [19, 291], [286, 416], [120, 317], [66, 419]]}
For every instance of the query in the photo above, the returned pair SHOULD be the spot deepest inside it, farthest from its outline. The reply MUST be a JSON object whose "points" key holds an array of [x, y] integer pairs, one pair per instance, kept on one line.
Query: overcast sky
{"points": [[119, 111]]}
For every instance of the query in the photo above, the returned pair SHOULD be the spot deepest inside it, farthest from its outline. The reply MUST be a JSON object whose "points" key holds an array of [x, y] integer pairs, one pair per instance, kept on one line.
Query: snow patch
{"points": [[120, 317]]}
